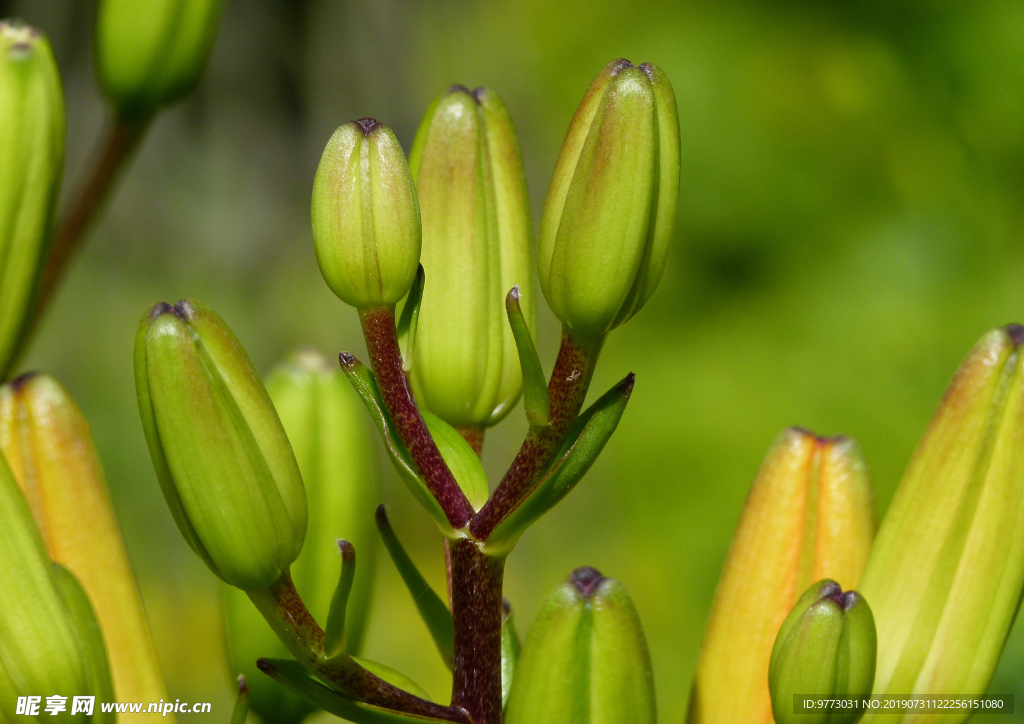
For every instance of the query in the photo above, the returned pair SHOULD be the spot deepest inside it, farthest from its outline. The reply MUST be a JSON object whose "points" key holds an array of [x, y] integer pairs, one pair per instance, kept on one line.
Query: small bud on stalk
{"points": [[824, 650], [221, 455], [476, 246], [810, 514], [607, 222], [47, 442], [150, 53], [42, 651], [325, 423], [585, 659], [366, 219], [946, 573], [31, 163]]}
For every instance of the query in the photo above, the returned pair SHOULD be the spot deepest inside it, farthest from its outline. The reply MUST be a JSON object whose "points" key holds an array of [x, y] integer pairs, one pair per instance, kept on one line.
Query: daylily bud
{"points": [[476, 246], [810, 514], [824, 650], [31, 162], [221, 455], [585, 659], [366, 219], [610, 209], [945, 576], [150, 53], [48, 444], [325, 422], [41, 653]]}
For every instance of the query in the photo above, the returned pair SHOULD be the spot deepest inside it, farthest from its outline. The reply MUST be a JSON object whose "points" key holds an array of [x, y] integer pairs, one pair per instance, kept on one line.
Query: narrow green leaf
{"points": [[462, 460], [510, 647], [364, 383], [241, 710], [396, 678], [334, 633], [535, 386], [409, 319], [583, 443], [433, 610], [292, 675], [90, 638]]}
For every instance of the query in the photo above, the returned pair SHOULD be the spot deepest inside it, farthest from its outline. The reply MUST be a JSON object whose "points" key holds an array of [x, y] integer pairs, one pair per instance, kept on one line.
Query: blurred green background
{"points": [[851, 220]]}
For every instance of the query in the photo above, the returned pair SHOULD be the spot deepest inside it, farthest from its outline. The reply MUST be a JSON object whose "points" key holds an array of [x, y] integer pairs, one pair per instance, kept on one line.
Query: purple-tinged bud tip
{"points": [[459, 88], [21, 380], [160, 308], [506, 607], [367, 125], [1016, 333], [184, 309], [586, 579], [347, 360], [620, 65], [266, 666], [243, 685]]}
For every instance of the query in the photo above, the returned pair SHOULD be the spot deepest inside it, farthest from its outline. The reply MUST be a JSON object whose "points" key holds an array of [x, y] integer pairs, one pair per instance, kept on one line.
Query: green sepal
{"points": [[334, 631], [535, 386], [365, 383], [293, 676], [410, 316], [510, 648], [90, 638], [583, 443], [432, 609], [461, 459], [241, 708]]}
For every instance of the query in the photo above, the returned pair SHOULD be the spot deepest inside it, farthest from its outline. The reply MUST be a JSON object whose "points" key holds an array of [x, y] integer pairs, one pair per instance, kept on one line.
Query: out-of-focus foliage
{"points": [[851, 220]]}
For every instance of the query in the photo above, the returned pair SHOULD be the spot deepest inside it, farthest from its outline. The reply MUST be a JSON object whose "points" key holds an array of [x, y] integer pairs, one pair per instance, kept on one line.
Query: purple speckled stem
{"points": [[386, 361], [476, 613], [567, 389], [288, 616]]}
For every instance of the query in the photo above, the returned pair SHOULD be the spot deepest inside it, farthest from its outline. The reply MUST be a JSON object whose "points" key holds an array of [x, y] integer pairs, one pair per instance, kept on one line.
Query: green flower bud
{"points": [[366, 219], [31, 162], [41, 650], [946, 572], [150, 53], [325, 422], [476, 246], [824, 650], [585, 659], [221, 454], [607, 222]]}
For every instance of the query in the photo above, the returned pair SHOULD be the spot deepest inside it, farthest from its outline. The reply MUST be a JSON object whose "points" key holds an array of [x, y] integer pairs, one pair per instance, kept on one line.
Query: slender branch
{"points": [[386, 360], [476, 611], [121, 139], [284, 610], [567, 389], [475, 437]]}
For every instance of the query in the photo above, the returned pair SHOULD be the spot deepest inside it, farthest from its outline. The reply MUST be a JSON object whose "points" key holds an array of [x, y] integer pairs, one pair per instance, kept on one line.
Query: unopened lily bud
{"points": [[476, 246], [824, 650], [946, 574], [607, 222], [223, 460], [810, 515], [150, 53], [325, 422], [31, 163], [585, 659], [48, 444], [41, 653], [366, 219]]}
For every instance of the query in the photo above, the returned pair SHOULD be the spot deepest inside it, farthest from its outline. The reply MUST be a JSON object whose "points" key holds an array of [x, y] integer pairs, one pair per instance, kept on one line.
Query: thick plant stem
{"points": [[122, 138], [567, 389], [386, 361], [476, 612]]}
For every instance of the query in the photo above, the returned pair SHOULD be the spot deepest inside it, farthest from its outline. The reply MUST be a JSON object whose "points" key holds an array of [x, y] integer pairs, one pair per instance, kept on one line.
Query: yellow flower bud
{"points": [[810, 515]]}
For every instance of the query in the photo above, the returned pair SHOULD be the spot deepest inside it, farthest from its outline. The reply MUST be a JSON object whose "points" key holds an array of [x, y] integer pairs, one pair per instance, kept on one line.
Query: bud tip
{"points": [[266, 666], [586, 579], [21, 380], [1016, 333], [346, 549], [367, 125], [243, 685]]}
